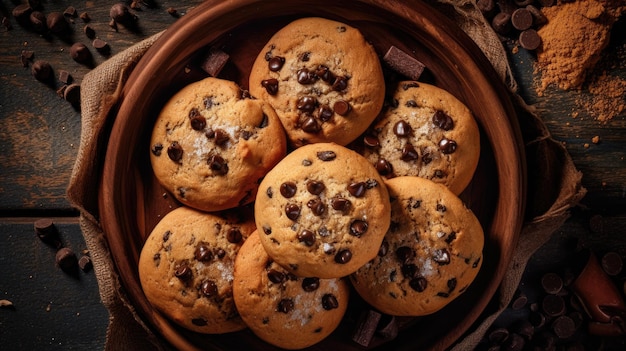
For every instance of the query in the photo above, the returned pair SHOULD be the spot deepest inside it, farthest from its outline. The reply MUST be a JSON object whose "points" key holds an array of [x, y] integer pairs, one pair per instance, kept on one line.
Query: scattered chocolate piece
{"points": [[38, 21], [66, 259], [538, 17], [22, 13], [552, 283], [70, 12], [84, 16], [26, 57], [89, 32], [135, 5], [529, 39], [501, 23], [41, 70], [120, 13], [172, 11], [563, 327], [72, 94], [366, 327], [65, 77], [519, 301], [85, 264], [47, 232], [403, 63], [101, 46], [214, 61], [57, 23], [80, 53], [521, 19], [612, 263]]}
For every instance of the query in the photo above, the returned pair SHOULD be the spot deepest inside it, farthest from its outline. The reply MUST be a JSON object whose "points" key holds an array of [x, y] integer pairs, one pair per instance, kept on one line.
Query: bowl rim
{"points": [[509, 212]]}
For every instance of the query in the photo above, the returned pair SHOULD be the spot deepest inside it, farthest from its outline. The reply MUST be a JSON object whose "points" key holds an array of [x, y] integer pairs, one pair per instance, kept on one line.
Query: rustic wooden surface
{"points": [[40, 133]]}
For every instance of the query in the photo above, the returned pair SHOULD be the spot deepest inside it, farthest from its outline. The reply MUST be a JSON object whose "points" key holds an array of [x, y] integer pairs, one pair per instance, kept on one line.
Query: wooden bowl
{"points": [[132, 202]]}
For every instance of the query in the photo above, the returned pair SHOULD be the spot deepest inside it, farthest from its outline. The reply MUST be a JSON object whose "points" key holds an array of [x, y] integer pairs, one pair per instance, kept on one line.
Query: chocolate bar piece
{"points": [[366, 327], [404, 63], [214, 61]]}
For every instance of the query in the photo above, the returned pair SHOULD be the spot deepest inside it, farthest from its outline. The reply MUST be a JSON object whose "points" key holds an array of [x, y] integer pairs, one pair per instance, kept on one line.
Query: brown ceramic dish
{"points": [[132, 202]]}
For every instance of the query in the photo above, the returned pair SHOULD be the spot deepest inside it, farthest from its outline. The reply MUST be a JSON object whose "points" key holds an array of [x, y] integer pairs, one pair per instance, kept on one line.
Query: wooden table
{"points": [[39, 137]]}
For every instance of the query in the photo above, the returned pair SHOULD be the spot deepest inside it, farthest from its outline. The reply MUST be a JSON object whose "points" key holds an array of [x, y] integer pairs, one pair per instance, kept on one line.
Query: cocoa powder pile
{"points": [[574, 40]]}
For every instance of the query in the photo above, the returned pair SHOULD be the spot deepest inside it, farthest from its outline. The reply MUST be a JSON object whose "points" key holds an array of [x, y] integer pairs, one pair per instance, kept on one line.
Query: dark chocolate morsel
{"points": [[101, 46], [326, 155], [203, 252], [276, 63], [552, 283], [315, 187], [403, 63], [612, 263], [529, 39], [292, 211], [447, 146], [306, 103], [305, 77], [538, 17], [371, 141], [357, 189], [317, 206], [285, 306], [521, 19], [310, 284], [276, 276], [329, 302], [270, 85], [404, 254], [340, 204], [343, 256], [201, 322], [563, 327], [221, 137], [41, 70], [553, 305], [441, 256], [214, 61], [71, 94], [501, 23], [66, 259], [383, 167], [234, 235], [38, 21], [80, 53], [498, 335], [310, 125], [358, 227], [288, 189], [514, 342], [217, 164], [208, 288], [402, 129], [325, 113], [384, 248], [85, 264], [183, 272], [366, 327], [175, 151], [307, 237], [418, 284], [340, 83], [443, 120], [409, 153], [57, 23], [46, 230], [342, 108], [156, 149]]}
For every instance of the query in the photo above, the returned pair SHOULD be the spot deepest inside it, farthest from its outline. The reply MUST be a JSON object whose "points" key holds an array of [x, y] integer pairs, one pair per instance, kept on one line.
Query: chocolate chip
{"points": [[221, 137], [340, 204], [101, 46], [564, 327], [498, 335], [285, 306], [317, 206], [120, 13], [443, 120], [288, 189], [183, 272], [409, 153], [310, 284], [270, 85], [447, 146], [551, 283], [441, 208], [47, 231], [501, 23], [306, 103], [514, 342], [486, 7], [275, 276], [324, 113], [276, 63], [57, 23], [22, 13], [292, 211], [371, 141], [612, 263], [156, 149], [315, 187], [208, 288], [201, 322], [85, 264], [383, 167], [326, 155], [402, 129], [66, 260], [80, 53], [84, 16], [538, 17], [310, 125], [404, 254], [325, 74], [340, 83], [197, 121], [329, 302], [529, 39], [441, 256], [41, 70], [409, 270], [307, 237], [166, 235], [175, 151], [342, 108], [305, 77], [357, 189], [38, 21], [343, 256], [234, 235], [267, 230], [217, 164], [521, 19], [403, 63], [418, 284], [203, 252], [358, 227]]}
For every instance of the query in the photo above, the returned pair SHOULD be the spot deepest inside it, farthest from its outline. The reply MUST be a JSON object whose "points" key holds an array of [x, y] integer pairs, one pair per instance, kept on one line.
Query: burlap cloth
{"points": [[554, 184]]}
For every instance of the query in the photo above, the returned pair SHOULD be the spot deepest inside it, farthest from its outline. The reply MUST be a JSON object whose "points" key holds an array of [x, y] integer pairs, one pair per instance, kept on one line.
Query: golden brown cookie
{"points": [[430, 255], [425, 132], [280, 308], [323, 79], [186, 268], [211, 144], [322, 211]]}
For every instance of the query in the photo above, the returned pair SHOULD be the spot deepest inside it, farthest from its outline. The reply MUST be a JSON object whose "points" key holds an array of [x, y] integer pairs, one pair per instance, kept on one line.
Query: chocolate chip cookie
{"points": [[322, 211], [212, 143], [285, 310], [186, 268], [430, 255], [323, 79], [425, 132]]}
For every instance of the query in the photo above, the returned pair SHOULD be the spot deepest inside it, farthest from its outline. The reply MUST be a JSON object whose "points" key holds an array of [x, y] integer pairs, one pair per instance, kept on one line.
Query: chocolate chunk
{"points": [[325, 113], [57, 23], [315, 187], [538, 17], [340, 204], [292, 211], [85, 264], [409, 153], [305, 77], [306, 103], [342, 108], [418, 284], [612, 263], [529, 39], [404, 254], [563, 327], [371, 141], [84, 16], [358, 227], [288, 189], [217, 164], [156, 149], [340, 84], [72, 94], [343, 256], [38, 21], [366, 327], [47, 231], [441, 256], [447, 146], [317, 206], [183, 272], [310, 284], [41, 70], [383, 167], [214, 61], [197, 121], [552, 283], [285, 306], [307, 237], [357, 189], [402, 129], [329, 302], [270, 85], [101, 46], [310, 125], [65, 77], [501, 23], [521, 19], [275, 276], [70, 12], [326, 155], [325, 74], [234, 235], [208, 288], [221, 137], [175, 152], [22, 13], [403, 63], [276, 63], [443, 120], [120, 13], [409, 270], [66, 260], [553, 305]]}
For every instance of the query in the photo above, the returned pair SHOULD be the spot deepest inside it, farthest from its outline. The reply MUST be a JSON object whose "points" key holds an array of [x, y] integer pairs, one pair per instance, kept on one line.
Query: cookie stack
{"points": [[308, 184]]}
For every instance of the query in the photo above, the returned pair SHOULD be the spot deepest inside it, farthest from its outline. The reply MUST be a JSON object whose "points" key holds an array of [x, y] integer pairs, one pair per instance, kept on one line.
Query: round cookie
{"points": [[430, 255], [323, 79], [212, 138], [426, 132], [186, 268], [280, 308], [322, 211]]}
